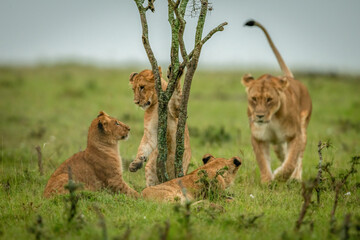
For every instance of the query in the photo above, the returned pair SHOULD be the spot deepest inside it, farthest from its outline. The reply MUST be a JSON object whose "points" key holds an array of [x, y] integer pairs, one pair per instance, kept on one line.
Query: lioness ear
{"points": [[283, 82], [131, 78], [247, 79], [237, 161], [206, 158]]}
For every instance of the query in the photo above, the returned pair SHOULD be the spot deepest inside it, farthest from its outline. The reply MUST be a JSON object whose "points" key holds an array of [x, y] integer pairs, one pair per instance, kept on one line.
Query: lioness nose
{"points": [[260, 116]]}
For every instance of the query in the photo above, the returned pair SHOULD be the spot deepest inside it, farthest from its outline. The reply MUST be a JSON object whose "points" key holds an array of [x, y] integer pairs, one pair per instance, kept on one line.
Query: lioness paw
{"points": [[281, 175]]}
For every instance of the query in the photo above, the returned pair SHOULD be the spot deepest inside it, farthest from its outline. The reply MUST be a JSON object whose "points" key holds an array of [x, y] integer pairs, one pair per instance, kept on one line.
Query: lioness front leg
{"points": [[147, 145], [291, 162], [262, 153]]}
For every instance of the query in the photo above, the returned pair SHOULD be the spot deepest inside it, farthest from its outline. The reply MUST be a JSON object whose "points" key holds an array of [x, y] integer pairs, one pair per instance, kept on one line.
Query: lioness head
{"points": [[143, 85], [107, 129], [230, 166], [264, 96]]}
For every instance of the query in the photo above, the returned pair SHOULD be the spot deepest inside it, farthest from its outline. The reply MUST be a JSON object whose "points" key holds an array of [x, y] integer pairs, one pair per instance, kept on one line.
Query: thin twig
{"points": [[72, 187], [187, 212], [339, 185], [40, 163], [307, 189], [164, 232], [102, 222]]}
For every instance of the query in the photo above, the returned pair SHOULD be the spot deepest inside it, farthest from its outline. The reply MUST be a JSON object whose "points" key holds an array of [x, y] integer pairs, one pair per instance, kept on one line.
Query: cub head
{"points": [[143, 85], [213, 164], [264, 96], [107, 129]]}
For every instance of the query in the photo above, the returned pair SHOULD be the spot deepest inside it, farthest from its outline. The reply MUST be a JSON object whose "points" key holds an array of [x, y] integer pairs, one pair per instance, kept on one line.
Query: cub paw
{"points": [[136, 164]]}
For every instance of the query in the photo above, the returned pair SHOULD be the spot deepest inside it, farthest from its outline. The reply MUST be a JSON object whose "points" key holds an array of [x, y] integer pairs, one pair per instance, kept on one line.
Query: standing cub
{"points": [[143, 85], [100, 164], [172, 190]]}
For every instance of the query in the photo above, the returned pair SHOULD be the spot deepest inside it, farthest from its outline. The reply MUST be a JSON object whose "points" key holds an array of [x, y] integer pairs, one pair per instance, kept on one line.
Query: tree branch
{"points": [[162, 101], [201, 22], [148, 50], [150, 5], [204, 40], [180, 17]]}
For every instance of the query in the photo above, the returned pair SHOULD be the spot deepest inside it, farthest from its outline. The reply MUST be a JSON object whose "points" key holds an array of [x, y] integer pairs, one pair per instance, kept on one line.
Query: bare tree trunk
{"points": [[162, 103], [191, 66]]}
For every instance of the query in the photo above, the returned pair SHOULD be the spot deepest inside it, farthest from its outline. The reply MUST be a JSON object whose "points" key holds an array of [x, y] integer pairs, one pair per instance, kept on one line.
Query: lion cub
{"points": [[100, 164], [279, 110], [172, 190], [143, 85]]}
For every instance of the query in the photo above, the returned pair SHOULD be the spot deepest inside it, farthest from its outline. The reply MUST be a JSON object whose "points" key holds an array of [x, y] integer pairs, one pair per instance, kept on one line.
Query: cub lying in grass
{"points": [[172, 190], [100, 164]]}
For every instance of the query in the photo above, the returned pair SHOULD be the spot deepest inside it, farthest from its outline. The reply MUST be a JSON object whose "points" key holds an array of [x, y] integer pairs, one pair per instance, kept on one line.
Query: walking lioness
{"points": [[279, 110]]}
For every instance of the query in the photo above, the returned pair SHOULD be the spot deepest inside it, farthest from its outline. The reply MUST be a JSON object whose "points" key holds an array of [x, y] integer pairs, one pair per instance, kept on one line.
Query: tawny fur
{"points": [[172, 190], [99, 166], [279, 111], [143, 85]]}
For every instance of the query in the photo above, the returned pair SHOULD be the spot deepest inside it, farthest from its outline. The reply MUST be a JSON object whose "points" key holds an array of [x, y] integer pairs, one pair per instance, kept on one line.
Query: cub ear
{"points": [[283, 82], [101, 127], [206, 158], [237, 161], [131, 78], [160, 72], [101, 113], [247, 79]]}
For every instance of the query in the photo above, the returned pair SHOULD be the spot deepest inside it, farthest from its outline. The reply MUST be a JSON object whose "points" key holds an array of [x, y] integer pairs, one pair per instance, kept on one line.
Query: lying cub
{"points": [[100, 164], [172, 190]]}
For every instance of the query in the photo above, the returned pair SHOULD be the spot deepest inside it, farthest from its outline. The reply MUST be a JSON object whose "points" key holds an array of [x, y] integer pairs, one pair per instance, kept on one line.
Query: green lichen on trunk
{"points": [[176, 13], [191, 67], [162, 109]]}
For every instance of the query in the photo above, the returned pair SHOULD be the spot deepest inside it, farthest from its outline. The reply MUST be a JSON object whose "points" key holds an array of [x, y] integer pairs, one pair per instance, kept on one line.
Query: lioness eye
{"points": [[117, 123], [268, 100], [142, 87], [254, 99]]}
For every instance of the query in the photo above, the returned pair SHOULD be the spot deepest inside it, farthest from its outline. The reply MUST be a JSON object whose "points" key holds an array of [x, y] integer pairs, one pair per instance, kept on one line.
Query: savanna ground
{"points": [[52, 106]]}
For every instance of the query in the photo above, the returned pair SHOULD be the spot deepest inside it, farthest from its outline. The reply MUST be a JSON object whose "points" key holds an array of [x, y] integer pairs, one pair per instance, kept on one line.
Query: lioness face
{"points": [[111, 128], [143, 85], [264, 97]]}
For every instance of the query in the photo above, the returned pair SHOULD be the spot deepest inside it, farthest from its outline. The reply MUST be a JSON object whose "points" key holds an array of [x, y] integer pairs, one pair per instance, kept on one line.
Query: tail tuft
{"points": [[250, 23]]}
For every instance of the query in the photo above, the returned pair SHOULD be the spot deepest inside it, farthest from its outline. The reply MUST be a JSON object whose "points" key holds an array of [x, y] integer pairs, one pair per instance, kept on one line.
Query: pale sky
{"points": [[310, 34]]}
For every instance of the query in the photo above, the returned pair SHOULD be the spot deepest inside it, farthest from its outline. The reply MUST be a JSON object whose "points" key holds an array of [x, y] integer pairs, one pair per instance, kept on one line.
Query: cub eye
{"points": [[142, 87], [268, 100], [253, 99], [117, 123]]}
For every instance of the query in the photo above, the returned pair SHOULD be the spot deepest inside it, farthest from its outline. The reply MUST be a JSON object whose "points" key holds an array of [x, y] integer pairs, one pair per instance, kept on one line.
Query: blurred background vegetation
{"points": [[52, 106]]}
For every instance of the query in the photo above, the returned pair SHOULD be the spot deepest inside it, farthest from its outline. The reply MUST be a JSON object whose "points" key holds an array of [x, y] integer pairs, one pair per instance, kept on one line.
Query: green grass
{"points": [[52, 106]]}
